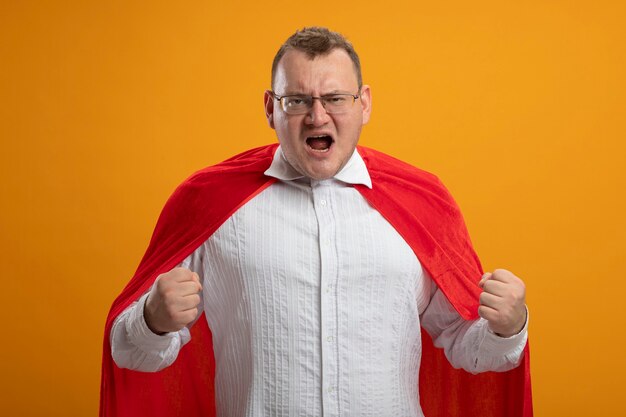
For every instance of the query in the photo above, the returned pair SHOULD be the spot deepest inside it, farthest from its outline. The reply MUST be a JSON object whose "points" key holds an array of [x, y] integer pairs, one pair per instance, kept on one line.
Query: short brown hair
{"points": [[316, 41]]}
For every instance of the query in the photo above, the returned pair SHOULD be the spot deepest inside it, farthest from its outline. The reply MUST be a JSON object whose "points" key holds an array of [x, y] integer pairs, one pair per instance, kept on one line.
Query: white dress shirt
{"points": [[315, 304]]}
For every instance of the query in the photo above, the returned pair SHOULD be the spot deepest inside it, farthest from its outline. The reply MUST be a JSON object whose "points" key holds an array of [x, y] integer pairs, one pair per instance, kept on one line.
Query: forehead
{"points": [[298, 73]]}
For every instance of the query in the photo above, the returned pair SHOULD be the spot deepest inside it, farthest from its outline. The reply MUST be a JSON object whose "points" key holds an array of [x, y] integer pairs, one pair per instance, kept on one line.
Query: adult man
{"points": [[314, 265]]}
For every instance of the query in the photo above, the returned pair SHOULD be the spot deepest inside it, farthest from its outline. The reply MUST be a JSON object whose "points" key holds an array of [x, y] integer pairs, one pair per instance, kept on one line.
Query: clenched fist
{"points": [[503, 302], [173, 301]]}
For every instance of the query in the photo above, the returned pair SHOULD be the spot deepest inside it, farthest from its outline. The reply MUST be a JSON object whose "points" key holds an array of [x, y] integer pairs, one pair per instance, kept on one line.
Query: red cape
{"points": [[413, 201]]}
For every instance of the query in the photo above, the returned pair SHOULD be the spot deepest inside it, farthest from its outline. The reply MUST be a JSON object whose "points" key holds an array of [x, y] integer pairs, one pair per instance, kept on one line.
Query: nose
{"points": [[317, 115]]}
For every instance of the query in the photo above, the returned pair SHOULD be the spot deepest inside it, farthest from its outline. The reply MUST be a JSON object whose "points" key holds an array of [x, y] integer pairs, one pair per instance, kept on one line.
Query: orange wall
{"points": [[106, 106]]}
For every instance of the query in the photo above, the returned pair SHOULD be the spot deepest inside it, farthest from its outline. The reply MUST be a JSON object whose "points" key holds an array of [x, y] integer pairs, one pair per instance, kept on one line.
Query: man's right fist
{"points": [[173, 301]]}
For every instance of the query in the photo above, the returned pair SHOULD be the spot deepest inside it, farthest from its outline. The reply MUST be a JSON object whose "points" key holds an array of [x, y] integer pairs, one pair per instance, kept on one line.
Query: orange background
{"points": [[106, 106]]}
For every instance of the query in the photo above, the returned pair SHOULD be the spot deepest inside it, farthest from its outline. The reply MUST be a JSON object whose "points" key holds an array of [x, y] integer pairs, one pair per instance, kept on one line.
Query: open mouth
{"points": [[321, 143]]}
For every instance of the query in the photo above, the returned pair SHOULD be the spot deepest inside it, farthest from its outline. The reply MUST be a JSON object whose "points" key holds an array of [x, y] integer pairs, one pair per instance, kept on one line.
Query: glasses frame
{"points": [[322, 100]]}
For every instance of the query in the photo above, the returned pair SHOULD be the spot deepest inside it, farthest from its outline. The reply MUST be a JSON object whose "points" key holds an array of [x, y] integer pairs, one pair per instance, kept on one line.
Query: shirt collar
{"points": [[354, 172]]}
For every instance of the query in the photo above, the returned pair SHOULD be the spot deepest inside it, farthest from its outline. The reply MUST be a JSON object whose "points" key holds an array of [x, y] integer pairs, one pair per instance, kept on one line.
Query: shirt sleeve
{"points": [[471, 345], [134, 346]]}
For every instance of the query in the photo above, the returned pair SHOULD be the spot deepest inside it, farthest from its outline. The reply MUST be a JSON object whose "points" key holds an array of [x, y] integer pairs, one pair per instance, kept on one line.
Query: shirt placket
{"points": [[322, 201]]}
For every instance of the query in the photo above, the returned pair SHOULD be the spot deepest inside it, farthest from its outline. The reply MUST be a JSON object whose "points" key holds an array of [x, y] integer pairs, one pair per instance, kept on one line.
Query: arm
{"points": [[474, 345], [148, 335], [135, 346]]}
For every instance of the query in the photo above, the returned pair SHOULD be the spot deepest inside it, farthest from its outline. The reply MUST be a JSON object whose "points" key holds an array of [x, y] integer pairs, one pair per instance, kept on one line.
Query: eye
{"points": [[336, 99], [295, 101]]}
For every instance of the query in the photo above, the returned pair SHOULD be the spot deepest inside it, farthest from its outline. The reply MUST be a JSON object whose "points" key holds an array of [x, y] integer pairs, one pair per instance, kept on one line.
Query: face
{"points": [[317, 144]]}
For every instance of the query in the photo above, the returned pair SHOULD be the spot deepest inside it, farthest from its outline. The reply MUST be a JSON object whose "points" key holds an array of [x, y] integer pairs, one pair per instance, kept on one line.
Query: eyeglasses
{"points": [[301, 104]]}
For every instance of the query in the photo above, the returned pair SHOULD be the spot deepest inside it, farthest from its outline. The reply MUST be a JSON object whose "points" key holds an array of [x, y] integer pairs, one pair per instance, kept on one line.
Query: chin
{"points": [[321, 177], [322, 174]]}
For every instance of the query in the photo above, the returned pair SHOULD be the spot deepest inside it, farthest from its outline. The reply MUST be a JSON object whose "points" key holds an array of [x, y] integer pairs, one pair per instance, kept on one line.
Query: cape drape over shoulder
{"points": [[414, 202]]}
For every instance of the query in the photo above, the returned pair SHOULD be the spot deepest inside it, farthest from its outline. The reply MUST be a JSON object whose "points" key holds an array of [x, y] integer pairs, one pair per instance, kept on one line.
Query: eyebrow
{"points": [[325, 94]]}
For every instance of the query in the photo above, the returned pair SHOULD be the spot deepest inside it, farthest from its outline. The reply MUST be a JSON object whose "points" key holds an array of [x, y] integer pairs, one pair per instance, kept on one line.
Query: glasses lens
{"points": [[338, 103], [296, 104]]}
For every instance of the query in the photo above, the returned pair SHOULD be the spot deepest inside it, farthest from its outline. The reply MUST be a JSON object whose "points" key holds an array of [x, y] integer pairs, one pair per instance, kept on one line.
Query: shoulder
{"points": [[389, 171], [249, 163], [225, 184]]}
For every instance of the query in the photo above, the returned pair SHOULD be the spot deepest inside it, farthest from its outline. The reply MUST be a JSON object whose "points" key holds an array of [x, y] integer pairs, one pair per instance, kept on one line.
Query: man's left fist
{"points": [[503, 302]]}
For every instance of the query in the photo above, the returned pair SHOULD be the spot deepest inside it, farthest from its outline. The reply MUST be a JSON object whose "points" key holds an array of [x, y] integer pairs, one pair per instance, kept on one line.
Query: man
{"points": [[314, 264]]}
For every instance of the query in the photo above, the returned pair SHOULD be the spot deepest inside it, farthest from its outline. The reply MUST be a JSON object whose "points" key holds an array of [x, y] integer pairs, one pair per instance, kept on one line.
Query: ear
{"points": [[366, 103], [268, 101]]}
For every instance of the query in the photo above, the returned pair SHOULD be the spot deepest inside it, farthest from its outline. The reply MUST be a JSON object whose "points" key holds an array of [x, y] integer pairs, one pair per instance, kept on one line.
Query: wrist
{"points": [[147, 318], [517, 329]]}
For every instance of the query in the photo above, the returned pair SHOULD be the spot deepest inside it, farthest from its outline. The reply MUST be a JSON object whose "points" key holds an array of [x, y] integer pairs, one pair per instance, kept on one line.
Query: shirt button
{"points": [[329, 338], [323, 202], [331, 389]]}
